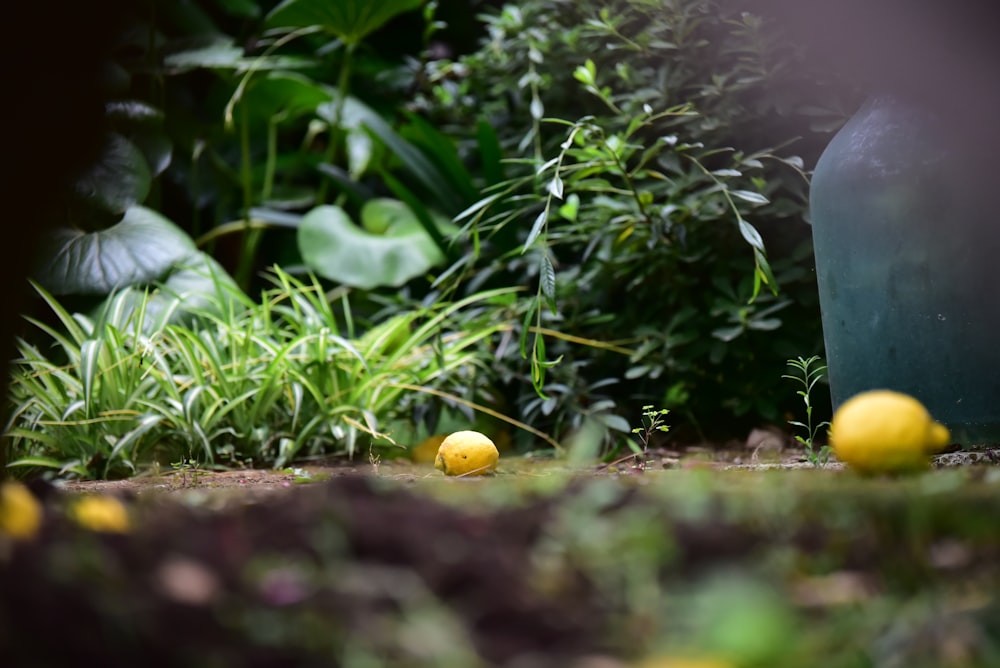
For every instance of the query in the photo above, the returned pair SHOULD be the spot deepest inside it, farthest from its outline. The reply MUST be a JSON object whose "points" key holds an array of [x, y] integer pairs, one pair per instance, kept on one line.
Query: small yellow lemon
{"points": [[467, 453], [20, 511], [426, 451], [681, 662], [882, 431], [100, 513]]}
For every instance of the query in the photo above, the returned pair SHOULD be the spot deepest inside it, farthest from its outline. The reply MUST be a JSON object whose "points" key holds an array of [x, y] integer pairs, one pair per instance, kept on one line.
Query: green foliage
{"points": [[390, 248], [105, 239], [808, 372], [141, 247], [268, 382], [293, 133], [626, 162], [646, 179]]}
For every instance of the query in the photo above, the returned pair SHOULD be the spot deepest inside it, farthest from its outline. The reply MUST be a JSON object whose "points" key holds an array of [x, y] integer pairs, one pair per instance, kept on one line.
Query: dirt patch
{"points": [[255, 482], [408, 568]]}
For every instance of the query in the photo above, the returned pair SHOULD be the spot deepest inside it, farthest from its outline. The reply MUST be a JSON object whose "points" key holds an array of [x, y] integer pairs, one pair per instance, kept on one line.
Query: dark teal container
{"points": [[905, 207]]}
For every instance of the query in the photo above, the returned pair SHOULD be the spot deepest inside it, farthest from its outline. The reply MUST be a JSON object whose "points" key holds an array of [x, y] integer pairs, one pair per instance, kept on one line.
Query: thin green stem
{"points": [[252, 236], [336, 126]]}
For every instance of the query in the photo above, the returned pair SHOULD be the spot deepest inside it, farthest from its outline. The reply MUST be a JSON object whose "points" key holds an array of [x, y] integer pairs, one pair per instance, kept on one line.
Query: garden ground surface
{"points": [[734, 558]]}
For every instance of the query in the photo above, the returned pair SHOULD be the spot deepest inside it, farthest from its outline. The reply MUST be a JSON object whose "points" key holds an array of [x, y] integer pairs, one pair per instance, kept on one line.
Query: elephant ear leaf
{"points": [[140, 248], [196, 286], [142, 125], [383, 216], [390, 252], [350, 20], [120, 178]]}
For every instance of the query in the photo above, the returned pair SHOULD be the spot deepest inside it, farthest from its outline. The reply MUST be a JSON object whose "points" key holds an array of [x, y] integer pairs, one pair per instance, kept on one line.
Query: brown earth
{"points": [[392, 564]]}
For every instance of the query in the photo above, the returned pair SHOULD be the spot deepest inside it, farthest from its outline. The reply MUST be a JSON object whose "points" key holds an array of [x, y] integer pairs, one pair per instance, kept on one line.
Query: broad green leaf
{"points": [[615, 422], [555, 187], [90, 352], [141, 248], [224, 54], [337, 249], [386, 216], [727, 334], [481, 204], [245, 8], [359, 152], [570, 208], [547, 277], [350, 20], [44, 462], [354, 116], [444, 190], [749, 196], [120, 177], [751, 235], [441, 150], [285, 94], [536, 229], [490, 152], [422, 214]]}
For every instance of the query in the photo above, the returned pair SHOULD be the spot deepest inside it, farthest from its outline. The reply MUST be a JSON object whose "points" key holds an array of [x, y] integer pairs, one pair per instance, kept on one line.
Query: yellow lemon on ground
{"points": [[100, 513], [20, 511], [467, 453], [882, 431]]}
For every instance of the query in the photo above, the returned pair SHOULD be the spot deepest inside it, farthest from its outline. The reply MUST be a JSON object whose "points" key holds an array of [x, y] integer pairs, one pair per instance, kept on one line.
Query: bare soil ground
{"points": [[741, 558]]}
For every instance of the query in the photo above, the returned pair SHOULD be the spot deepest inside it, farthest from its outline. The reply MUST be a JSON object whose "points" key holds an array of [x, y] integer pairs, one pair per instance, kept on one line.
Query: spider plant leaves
{"points": [[390, 248], [350, 20], [140, 248]]}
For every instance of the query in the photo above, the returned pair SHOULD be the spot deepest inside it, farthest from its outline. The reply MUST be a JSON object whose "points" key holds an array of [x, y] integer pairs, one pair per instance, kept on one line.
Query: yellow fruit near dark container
{"points": [[467, 453], [882, 431], [100, 513], [20, 513]]}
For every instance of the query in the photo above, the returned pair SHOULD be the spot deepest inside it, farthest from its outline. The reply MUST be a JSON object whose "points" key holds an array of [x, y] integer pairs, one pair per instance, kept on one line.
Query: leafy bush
{"points": [[648, 175]]}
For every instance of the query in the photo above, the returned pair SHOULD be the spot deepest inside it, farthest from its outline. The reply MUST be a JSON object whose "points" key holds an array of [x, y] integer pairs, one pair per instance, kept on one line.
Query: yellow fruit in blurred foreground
{"points": [[467, 453], [20, 511], [884, 432], [100, 513], [679, 662]]}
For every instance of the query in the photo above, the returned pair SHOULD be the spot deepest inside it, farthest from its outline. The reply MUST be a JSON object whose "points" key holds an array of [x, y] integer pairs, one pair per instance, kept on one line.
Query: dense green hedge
{"points": [[694, 126]]}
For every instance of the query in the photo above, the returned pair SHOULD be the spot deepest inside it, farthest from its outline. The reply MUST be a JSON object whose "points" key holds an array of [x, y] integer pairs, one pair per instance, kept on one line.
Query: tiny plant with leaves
{"points": [[808, 372], [652, 422]]}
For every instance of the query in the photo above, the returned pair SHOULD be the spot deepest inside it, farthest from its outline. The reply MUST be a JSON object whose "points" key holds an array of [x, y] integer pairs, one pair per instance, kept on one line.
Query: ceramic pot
{"points": [[905, 208]]}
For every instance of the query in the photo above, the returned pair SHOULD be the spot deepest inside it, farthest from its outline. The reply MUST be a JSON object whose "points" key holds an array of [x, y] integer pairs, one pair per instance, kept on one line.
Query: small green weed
{"points": [[808, 372], [185, 466], [652, 421]]}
